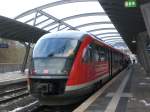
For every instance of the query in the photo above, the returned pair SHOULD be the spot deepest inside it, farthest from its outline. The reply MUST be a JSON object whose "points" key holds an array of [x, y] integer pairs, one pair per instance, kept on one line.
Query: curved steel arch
{"points": [[93, 23], [84, 15], [113, 42], [109, 36], [61, 21], [116, 40], [100, 29], [58, 21], [51, 5], [78, 16], [107, 33], [73, 17]]}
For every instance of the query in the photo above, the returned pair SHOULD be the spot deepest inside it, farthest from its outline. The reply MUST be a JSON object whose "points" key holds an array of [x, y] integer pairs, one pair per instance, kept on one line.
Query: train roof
{"points": [[79, 35], [108, 46], [66, 34]]}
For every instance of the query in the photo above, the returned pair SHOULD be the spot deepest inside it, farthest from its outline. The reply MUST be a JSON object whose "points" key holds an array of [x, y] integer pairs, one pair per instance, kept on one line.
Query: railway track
{"points": [[13, 91], [67, 108]]}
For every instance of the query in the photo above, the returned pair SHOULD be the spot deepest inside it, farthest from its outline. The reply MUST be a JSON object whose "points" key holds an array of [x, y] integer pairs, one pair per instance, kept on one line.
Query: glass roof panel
{"points": [[87, 28], [113, 40], [105, 35], [40, 19], [51, 27], [113, 37], [89, 19], [70, 9], [45, 23], [103, 31], [106, 38], [26, 18]]}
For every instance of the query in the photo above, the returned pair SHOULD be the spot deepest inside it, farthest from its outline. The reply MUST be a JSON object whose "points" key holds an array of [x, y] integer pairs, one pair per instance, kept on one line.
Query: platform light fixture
{"points": [[133, 41]]}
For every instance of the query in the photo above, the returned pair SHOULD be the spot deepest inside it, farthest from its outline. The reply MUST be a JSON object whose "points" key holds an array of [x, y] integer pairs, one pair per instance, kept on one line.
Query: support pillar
{"points": [[27, 46], [143, 54]]}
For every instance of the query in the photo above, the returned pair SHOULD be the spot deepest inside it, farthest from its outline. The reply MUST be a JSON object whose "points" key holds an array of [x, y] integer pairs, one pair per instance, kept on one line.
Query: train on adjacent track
{"points": [[66, 66]]}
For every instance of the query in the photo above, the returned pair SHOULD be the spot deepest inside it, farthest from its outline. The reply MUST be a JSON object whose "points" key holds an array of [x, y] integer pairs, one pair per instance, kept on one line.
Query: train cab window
{"points": [[87, 55], [55, 47]]}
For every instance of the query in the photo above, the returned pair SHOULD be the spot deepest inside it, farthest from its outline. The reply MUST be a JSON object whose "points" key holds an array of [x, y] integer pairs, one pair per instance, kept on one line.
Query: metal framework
{"points": [[51, 5], [61, 24]]}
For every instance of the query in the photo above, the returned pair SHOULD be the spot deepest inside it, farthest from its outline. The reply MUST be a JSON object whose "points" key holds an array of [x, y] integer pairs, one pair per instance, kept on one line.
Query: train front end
{"points": [[51, 62]]}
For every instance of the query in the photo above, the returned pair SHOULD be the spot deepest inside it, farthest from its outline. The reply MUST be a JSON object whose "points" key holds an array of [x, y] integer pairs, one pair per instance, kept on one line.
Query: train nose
{"points": [[47, 87]]}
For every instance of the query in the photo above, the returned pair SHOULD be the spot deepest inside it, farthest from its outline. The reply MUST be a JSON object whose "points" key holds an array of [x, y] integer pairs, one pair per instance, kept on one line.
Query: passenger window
{"points": [[102, 54], [96, 55]]}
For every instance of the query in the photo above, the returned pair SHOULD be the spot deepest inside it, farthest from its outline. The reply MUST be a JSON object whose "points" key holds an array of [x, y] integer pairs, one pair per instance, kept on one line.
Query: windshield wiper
{"points": [[51, 55]]}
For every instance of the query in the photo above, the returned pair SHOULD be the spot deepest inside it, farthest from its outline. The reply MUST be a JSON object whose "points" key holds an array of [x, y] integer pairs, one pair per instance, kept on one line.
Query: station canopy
{"points": [[60, 15]]}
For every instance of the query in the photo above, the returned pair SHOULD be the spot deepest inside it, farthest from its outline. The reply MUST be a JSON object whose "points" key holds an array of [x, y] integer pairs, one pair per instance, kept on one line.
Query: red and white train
{"points": [[67, 65]]}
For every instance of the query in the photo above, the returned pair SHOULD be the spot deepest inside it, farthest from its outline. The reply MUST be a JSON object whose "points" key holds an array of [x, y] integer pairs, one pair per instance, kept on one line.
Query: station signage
{"points": [[2, 45], [130, 3]]}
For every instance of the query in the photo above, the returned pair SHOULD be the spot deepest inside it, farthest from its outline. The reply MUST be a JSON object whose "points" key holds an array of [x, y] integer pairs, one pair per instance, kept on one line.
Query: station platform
{"points": [[12, 77], [129, 91]]}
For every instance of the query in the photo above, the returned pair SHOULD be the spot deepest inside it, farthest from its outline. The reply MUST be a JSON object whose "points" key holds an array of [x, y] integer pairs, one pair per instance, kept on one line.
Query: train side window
{"points": [[102, 56], [96, 55]]}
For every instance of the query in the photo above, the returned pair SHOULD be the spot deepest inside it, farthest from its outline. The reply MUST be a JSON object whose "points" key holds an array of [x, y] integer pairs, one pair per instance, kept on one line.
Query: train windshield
{"points": [[54, 56], [55, 47]]}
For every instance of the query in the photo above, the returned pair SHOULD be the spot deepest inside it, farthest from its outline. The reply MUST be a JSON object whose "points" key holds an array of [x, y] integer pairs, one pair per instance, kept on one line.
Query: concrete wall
{"points": [[142, 54], [12, 55]]}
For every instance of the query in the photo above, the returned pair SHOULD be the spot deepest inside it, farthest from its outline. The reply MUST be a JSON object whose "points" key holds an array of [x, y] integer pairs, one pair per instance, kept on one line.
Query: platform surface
{"points": [[129, 92], [9, 77]]}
